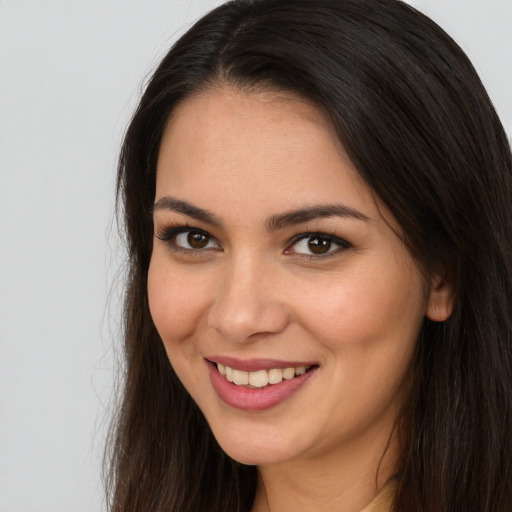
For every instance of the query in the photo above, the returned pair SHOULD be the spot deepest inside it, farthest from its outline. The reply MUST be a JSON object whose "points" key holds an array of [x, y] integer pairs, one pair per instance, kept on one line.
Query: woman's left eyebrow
{"points": [[310, 213]]}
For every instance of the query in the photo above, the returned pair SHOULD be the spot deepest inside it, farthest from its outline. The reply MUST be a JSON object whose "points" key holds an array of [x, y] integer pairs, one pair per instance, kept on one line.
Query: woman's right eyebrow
{"points": [[176, 205]]}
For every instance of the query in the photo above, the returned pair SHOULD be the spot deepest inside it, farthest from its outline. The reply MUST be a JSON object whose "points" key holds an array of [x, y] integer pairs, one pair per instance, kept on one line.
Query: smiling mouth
{"points": [[261, 378]]}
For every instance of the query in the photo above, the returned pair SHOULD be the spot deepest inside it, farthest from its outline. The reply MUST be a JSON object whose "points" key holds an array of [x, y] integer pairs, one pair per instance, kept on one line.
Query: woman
{"points": [[317, 207]]}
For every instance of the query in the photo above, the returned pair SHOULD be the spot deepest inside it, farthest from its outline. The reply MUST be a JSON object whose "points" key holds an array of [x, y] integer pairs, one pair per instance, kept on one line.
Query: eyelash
{"points": [[331, 239], [168, 235]]}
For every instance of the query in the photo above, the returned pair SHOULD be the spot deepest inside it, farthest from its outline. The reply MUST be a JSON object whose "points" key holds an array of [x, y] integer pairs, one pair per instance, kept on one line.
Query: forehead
{"points": [[263, 124], [232, 141], [247, 105]]}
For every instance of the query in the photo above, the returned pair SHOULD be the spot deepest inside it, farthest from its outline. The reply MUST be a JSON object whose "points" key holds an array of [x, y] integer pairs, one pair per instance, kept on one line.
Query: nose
{"points": [[249, 302]]}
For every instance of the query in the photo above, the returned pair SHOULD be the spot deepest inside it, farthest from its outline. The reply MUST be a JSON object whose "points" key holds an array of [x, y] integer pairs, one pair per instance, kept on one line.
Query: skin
{"points": [[251, 292]]}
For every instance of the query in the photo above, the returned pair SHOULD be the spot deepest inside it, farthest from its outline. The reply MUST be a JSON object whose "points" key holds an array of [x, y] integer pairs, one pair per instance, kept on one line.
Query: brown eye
{"points": [[190, 240], [197, 240], [319, 245]]}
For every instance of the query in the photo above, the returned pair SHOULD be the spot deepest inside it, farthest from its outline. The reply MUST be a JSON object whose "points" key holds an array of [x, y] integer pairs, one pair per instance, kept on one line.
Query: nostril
{"points": [[246, 321]]}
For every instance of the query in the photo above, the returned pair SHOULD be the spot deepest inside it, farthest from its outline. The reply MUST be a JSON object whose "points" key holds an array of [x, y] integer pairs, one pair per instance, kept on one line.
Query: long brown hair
{"points": [[417, 123]]}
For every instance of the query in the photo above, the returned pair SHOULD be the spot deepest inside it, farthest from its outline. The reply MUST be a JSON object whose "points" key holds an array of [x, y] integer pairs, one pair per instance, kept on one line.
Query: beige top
{"points": [[383, 500]]}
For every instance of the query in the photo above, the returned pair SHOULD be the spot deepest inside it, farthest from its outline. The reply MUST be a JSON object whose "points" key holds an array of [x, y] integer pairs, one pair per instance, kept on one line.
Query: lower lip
{"points": [[253, 399]]}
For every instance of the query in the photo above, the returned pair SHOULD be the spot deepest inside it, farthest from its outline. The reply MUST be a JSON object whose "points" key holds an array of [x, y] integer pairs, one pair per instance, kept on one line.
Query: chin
{"points": [[254, 455], [256, 449]]}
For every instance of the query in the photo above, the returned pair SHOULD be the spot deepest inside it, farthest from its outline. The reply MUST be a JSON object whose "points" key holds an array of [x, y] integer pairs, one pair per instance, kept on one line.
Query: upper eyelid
{"points": [[165, 233], [178, 228], [164, 224], [311, 234]]}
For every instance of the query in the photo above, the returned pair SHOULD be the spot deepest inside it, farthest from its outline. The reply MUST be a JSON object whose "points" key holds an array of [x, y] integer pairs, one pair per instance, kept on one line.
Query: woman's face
{"points": [[273, 258]]}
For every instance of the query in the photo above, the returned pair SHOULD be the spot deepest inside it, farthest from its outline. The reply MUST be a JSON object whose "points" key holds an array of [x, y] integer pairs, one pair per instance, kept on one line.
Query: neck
{"points": [[342, 479]]}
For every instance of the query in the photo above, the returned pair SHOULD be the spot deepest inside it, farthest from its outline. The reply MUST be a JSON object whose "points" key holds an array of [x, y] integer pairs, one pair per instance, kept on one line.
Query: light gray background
{"points": [[70, 75]]}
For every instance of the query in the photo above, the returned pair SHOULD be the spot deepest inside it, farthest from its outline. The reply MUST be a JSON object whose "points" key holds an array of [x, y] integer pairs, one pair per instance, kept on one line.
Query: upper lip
{"points": [[252, 365]]}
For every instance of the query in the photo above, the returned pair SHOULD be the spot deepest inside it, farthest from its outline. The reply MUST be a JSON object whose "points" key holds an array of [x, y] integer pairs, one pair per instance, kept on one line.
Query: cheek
{"points": [[362, 309], [369, 324], [176, 302]]}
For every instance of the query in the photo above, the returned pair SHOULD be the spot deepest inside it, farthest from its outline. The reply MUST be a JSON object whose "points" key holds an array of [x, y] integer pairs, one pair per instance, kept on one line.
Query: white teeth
{"points": [[288, 373], [300, 370], [240, 378], [275, 376], [260, 378]]}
